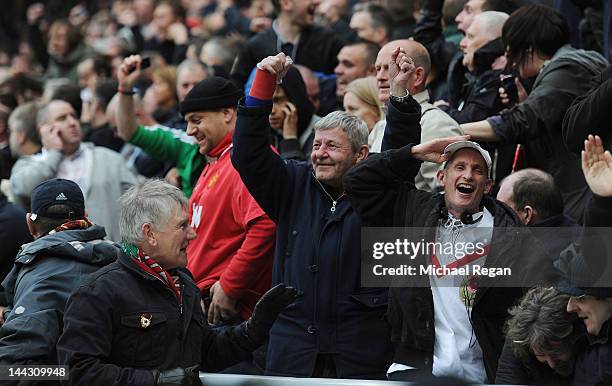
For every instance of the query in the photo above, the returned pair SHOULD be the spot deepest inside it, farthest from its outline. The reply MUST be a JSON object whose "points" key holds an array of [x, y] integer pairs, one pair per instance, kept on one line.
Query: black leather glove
{"points": [[266, 310], [178, 376]]}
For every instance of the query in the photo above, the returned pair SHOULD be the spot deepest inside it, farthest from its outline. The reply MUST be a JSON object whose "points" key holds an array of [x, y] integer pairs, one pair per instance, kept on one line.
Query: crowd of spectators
{"points": [[191, 179]]}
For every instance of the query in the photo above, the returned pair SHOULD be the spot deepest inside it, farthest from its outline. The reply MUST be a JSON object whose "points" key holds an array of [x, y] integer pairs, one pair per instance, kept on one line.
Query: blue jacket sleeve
{"points": [[265, 174]]}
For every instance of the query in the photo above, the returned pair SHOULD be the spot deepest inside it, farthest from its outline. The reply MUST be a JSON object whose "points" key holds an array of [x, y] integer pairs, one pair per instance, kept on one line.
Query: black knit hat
{"points": [[210, 94]]}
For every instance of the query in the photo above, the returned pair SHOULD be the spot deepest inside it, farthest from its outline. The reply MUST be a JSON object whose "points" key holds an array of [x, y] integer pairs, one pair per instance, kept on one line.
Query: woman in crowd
{"points": [[361, 99]]}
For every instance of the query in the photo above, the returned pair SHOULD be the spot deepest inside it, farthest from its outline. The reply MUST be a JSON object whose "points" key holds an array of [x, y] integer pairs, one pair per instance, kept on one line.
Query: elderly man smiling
{"points": [[336, 329], [139, 321]]}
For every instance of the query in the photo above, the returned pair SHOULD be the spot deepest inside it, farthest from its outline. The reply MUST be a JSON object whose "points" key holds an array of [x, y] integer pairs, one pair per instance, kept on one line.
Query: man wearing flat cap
{"points": [[66, 248], [443, 324], [231, 259]]}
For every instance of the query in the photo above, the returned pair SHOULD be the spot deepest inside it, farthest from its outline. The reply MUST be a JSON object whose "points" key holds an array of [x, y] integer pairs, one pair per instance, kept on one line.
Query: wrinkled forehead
{"points": [[468, 156], [58, 108], [384, 55], [336, 135]]}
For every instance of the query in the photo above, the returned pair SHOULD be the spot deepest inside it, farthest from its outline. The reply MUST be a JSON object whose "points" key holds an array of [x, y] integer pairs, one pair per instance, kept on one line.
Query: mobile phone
{"points": [[144, 63], [507, 83]]}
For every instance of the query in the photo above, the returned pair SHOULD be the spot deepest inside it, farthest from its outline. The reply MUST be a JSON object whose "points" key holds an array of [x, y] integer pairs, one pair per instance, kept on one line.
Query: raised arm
{"points": [[126, 117], [597, 168], [374, 184], [589, 114], [541, 114], [266, 175], [401, 129]]}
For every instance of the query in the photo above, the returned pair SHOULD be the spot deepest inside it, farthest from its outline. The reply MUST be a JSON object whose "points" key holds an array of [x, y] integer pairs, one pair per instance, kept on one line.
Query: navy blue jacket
{"points": [[317, 252]]}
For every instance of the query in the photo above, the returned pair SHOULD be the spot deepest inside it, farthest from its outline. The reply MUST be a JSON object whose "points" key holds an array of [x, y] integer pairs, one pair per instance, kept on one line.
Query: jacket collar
{"points": [[57, 240], [486, 55], [218, 150], [128, 263], [604, 334], [422, 97]]}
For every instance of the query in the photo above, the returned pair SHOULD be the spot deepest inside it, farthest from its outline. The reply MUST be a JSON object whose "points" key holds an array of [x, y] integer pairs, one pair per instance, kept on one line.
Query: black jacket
{"points": [[382, 190], [589, 114], [445, 56], [317, 49], [594, 365], [105, 341], [513, 370], [479, 98], [537, 122], [13, 233]]}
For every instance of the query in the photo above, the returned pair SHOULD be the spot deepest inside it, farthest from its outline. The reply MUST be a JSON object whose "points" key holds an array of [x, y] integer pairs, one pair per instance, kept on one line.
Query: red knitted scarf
{"points": [[149, 265], [75, 224]]}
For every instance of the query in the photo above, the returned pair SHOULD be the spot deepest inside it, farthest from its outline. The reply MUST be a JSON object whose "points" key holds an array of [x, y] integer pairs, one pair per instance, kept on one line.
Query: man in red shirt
{"points": [[231, 257]]}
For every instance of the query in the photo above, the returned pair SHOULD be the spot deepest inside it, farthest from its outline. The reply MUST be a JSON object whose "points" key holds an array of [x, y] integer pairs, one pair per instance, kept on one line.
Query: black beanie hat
{"points": [[210, 94]]}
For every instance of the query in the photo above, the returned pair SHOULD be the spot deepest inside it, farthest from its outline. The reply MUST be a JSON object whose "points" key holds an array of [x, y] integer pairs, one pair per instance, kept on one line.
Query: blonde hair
{"points": [[166, 74], [366, 89]]}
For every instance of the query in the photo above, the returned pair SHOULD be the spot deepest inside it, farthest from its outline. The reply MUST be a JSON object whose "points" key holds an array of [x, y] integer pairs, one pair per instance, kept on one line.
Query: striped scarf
{"points": [[75, 224], [149, 265]]}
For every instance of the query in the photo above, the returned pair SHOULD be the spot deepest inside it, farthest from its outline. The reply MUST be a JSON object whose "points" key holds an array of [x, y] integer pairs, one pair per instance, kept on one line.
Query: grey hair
{"points": [[491, 22], [220, 50], [190, 66], [354, 127], [52, 85], [541, 322], [44, 112], [153, 201], [23, 120]]}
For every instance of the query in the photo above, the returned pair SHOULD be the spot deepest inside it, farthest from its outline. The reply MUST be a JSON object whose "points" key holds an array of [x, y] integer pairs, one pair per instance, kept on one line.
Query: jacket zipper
{"points": [[180, 301]]}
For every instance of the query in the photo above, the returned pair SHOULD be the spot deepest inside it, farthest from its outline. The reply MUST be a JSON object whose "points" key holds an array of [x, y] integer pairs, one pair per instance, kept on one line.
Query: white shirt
{"points": [[456, 350], [77, 167], [376, 136]]}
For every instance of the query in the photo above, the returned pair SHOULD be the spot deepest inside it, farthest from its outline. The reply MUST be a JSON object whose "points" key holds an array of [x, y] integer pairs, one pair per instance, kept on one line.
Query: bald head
{"points": [[188, 73], [490, 23], [532, 194], [419, 55], [486, 27]]}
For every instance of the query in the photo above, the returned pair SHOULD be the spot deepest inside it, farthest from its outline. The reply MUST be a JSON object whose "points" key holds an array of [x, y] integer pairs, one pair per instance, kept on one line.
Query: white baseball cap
{"points": [[453, 147]]}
